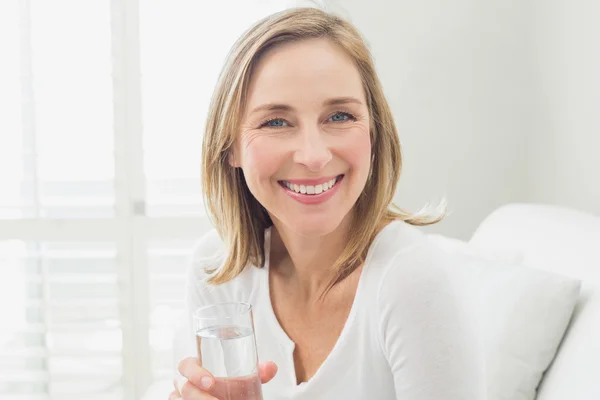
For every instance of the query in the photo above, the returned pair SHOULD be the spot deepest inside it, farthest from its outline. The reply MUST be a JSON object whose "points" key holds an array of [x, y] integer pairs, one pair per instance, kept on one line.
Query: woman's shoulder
{"points": [[418, 283], [404, 256], [422, 313], [397, 239], [208, 254]]}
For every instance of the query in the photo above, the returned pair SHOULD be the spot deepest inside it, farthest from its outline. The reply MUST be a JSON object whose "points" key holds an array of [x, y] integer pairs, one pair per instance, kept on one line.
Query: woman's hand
{"points": [[201, 385]]}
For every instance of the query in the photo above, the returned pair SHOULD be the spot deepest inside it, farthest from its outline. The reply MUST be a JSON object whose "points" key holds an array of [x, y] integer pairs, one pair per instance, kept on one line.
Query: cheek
{"points": [[358, 152], [260, 159]]}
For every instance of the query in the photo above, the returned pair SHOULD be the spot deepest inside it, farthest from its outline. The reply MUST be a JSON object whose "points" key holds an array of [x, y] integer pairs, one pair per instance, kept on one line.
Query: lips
{"points": [[312, 192]]}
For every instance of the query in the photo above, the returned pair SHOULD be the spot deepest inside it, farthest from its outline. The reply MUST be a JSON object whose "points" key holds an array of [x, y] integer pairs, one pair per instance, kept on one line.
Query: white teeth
{"points": [[310, 189]]}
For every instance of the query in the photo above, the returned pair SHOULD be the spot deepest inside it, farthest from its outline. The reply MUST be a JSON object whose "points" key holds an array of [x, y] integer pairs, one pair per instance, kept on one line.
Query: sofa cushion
{"points": [[523, 314], [567, 242]]}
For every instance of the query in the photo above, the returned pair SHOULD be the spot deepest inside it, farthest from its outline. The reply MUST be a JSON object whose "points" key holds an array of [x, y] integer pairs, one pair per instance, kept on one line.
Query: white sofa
{"points": [[565, 242]]}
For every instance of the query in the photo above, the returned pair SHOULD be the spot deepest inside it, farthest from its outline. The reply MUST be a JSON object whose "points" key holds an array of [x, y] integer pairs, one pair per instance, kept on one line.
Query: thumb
{"points": [[267, 371]]}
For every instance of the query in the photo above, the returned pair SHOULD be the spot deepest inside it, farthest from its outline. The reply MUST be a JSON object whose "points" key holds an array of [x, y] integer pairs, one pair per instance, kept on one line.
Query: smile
{"points": [[311, 189]]}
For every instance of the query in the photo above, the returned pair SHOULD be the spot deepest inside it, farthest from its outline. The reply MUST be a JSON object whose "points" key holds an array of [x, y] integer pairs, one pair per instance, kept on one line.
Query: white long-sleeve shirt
{"points": [[410, 334]]}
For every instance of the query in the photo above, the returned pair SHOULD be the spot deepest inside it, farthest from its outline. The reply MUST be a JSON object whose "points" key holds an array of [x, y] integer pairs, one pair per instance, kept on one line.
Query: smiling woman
{"points": [[301, 159], [328, 72]]}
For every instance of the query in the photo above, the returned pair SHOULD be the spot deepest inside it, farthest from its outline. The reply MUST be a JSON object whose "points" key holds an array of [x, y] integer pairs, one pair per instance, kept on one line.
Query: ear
{"points": [[232, 158]]}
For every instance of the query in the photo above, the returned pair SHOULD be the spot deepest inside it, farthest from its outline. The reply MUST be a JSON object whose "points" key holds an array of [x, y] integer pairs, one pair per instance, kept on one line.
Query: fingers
{"points": [[267, 371], [195, 374], [200, 383], [190, 392], [175, 395]]}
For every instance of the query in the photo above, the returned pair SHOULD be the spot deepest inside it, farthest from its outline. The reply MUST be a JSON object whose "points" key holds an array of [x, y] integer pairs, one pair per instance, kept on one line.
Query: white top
{"points": [[409, 335]]}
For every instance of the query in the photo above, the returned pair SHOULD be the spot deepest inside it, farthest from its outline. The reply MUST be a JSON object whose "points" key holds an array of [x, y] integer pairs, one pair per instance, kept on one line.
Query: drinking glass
{"points": [[227, 348]]}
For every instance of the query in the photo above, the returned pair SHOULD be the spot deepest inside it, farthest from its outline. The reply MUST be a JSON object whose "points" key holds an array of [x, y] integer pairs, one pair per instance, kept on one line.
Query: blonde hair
{"points": [[239, 218]]}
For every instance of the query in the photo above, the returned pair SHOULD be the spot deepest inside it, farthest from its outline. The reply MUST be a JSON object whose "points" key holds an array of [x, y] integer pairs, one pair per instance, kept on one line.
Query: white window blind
{"points": [[61, 322], [102, 106]]}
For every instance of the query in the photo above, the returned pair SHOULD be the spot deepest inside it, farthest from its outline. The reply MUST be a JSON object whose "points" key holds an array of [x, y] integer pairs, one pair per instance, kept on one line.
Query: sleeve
{"points": [[427, 332]]}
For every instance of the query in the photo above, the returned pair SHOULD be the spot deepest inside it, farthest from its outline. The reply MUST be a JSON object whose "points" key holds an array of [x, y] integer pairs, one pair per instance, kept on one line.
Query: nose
{"points": [[312, 151]]}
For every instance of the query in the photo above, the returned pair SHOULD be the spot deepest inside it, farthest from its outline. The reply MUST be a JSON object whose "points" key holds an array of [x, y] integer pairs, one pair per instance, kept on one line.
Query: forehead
{"points": [[305, 70]]}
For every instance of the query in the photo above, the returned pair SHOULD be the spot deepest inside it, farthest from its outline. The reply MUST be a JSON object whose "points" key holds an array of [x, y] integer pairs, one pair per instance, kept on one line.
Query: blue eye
{"points": [[275, 123], [341, 117]]}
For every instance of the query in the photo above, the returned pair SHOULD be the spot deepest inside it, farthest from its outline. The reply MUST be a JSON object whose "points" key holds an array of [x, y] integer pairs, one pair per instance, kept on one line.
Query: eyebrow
{"points": [[285, 107], [342, 100]]}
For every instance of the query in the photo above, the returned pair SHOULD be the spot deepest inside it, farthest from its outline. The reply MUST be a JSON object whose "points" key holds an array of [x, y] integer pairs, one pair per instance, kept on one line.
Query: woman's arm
{"points": [[428, 334]]}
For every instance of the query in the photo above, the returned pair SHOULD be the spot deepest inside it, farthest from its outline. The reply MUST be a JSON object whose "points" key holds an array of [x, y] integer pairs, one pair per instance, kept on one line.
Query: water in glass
{"points": [[229, 352]]}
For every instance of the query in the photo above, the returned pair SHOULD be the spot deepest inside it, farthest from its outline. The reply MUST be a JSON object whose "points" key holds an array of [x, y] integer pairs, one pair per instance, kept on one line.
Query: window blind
{"points": [[61, 333]]}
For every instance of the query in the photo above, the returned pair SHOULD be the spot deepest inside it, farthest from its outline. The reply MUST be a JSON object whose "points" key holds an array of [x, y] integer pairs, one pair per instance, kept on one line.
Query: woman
{"points": [[300, 164]]}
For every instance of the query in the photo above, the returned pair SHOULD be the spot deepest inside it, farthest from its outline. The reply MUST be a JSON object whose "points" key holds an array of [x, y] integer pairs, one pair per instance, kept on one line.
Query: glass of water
{"points": [[227, 349]]}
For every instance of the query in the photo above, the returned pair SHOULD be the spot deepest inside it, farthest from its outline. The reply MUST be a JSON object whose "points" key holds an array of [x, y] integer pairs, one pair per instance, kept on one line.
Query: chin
{"points": [[313, 225]]}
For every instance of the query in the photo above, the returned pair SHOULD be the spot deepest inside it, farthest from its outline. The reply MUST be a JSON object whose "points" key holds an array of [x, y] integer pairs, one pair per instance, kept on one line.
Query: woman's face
{"points": [[304, 144]]}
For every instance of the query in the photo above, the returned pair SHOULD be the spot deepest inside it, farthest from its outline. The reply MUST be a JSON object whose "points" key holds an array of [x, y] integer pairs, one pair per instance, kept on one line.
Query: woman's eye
{"points": [[275, 123], [340, 117]]}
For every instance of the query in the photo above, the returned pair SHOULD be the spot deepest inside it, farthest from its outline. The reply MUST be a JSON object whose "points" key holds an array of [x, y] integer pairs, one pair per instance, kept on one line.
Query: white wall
{"points": [[458, 77], [565, 142], [496, 101]]}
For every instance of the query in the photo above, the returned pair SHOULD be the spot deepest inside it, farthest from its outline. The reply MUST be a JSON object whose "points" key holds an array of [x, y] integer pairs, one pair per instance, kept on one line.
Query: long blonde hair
{"points": [[239, 218]]}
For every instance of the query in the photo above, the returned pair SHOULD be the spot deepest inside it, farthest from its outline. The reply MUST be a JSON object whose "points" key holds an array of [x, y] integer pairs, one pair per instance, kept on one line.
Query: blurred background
{"points": [[102, 105]]}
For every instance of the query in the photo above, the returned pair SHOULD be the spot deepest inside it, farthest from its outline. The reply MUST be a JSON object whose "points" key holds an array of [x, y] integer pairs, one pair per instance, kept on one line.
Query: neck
{"points": [[306, 261]]}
